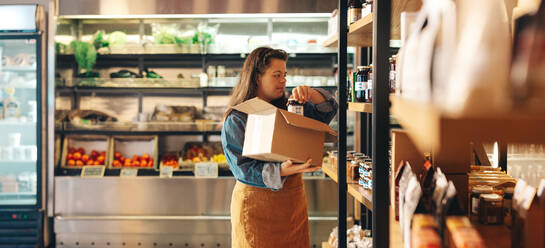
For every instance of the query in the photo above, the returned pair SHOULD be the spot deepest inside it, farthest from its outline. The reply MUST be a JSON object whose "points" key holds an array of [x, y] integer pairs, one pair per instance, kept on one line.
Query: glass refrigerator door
{"points": [[19, 91]]}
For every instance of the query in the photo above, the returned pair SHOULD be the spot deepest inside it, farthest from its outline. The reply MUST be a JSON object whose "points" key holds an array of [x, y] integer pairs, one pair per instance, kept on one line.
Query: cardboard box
{"points": [[277, 135]]}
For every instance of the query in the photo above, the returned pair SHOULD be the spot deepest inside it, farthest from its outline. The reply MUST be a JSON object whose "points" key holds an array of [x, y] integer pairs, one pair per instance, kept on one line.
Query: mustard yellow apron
{"points": [[264, 218]]}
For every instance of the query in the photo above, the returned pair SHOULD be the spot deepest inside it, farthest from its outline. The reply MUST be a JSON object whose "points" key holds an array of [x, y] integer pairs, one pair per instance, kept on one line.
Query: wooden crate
{"points": [[131, 145], [88, 142]]}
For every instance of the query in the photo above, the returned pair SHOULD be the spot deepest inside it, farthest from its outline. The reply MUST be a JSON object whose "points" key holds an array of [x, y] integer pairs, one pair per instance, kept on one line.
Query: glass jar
{"points": [[360, 85], [370, 84], [365, 169], [353, 171], [295, 107], [491, 209], [476, 192], [354, 11]]}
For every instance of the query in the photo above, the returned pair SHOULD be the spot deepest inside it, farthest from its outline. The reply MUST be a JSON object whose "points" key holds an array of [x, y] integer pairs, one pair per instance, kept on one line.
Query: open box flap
{"points": [[254, 105], [308, 123]]}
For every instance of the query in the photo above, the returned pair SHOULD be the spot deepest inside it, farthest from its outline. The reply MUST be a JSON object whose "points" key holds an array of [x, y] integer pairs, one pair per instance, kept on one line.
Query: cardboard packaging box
{"points": [[277, 135]]}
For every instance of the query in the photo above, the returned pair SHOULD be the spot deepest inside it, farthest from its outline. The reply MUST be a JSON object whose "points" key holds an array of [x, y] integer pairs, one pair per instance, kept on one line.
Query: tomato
{"points": [[72, 150], [69, 156], [94, 154], [90, 162], [97, 163], [77, 156], [117, 155], [71, 162], [100, 159], [79, 163], [85, 158], [81, 150]]}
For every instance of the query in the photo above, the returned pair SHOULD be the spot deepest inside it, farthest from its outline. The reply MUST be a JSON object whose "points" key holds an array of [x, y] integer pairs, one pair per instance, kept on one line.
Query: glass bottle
{"points": [[360, 86], [12, 108]]}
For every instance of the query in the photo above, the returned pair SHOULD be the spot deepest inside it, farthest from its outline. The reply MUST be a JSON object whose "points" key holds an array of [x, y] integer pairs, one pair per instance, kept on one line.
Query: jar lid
{"points": [[480, 189], [491, 197]]}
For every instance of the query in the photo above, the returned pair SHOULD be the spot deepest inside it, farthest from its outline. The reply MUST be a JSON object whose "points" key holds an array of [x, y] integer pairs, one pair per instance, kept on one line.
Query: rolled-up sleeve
{"points": [[247, 170], [325, 111]]}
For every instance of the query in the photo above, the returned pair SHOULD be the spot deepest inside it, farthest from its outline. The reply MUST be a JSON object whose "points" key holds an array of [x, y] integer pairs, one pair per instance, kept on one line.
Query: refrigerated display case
{"points": [[22, 127]]}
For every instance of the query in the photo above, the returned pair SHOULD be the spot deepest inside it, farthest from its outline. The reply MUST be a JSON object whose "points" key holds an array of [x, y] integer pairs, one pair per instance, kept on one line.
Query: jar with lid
{"points": [[370, 84], [360, 85], [491, 209], [370, 5], [295, 107], [392, 80], [353, 170], [354, 11], [365, 169], [476, 192]]}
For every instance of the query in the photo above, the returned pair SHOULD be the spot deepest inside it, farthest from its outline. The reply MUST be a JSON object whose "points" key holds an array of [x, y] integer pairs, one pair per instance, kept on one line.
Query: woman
{"points": [[268, 206]]}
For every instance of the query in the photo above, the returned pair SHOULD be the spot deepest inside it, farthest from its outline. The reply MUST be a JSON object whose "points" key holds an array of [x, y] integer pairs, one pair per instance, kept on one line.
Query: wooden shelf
{"points": [[360, 33], [360, 107], [449, 136], [331, 41], [358, 192]]}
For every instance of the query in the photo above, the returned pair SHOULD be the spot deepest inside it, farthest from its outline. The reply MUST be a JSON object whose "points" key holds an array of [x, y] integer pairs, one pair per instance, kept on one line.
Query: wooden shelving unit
{"points": [[360, 33], [362, 195], [448, 136], [360, 107]]}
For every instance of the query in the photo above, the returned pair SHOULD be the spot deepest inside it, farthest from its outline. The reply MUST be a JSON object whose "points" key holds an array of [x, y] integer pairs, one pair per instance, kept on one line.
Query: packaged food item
{"points": [[491, 209], [476, 192], [354, 11], [360, 85], [423, 221], [466, 237], [425, 238], [295, 107], [12, 108]]}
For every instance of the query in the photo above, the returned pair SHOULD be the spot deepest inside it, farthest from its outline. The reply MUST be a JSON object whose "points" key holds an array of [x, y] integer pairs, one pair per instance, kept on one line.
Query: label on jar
{"points": [[297, 109], [474, 205], [358, 86]]}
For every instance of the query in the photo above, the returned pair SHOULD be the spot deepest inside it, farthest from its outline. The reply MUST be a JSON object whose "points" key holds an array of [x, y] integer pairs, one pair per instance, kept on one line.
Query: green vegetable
{"points": [[85, 55], [117, 38], [165, 35], [99, 40], [202, 37], [152, 74]]}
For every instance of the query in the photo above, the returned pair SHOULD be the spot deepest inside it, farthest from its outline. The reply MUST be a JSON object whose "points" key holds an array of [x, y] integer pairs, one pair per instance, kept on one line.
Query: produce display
{"points": [[144, 161], [196, 154], [170, 159], [78, 157]]}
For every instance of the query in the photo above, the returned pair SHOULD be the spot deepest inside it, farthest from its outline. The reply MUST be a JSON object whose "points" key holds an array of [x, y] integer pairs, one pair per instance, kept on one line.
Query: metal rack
{"points": [[379, 124]]}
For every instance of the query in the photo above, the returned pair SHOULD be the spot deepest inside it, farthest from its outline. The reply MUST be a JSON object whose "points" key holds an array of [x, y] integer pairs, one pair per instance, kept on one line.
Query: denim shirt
{"points": [[262, 173]]}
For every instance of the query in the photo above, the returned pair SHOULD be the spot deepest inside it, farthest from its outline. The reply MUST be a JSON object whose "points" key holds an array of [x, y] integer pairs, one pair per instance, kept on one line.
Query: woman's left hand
{"points": [[303, 94]]}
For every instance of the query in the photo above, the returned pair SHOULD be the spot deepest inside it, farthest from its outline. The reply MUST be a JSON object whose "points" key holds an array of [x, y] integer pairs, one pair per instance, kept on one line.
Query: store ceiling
{"points": [[191, 7]]}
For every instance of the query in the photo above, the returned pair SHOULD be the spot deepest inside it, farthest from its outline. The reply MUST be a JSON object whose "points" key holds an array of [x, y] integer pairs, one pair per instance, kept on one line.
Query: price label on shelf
{"points": [[206, 170], [93, 171], [166, 171], [129, 172]]}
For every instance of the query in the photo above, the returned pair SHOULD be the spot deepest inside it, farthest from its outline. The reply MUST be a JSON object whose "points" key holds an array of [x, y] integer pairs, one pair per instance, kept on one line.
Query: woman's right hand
{"points": [[289, 168]]}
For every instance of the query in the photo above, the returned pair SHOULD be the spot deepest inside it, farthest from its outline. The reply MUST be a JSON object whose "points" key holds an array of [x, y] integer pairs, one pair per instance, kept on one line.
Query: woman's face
{"points": [[272, 83]]}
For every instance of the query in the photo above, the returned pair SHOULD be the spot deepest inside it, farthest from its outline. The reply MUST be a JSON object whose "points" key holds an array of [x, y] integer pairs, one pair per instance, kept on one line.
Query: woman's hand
{"points": [[303, 94], [288, 168]]}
